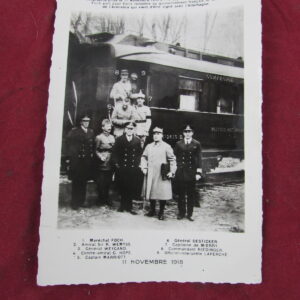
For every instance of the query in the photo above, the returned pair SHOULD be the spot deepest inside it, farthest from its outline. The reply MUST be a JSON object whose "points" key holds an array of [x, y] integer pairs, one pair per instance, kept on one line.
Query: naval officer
{"points": [[80, 148], [189, 169], [126, 157]]}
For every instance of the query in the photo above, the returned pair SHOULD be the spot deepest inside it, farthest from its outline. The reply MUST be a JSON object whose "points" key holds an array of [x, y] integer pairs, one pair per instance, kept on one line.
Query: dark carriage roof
{"points": [[154, 56]]}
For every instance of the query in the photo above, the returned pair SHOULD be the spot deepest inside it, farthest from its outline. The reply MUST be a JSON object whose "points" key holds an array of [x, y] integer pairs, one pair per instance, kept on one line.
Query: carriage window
{"points": [[188, 102], [225, 106], [226, 99], [189, 93]]}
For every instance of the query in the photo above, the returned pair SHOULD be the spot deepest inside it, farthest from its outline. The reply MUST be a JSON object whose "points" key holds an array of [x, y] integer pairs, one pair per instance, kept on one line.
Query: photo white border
{"points": [[243, 265]]}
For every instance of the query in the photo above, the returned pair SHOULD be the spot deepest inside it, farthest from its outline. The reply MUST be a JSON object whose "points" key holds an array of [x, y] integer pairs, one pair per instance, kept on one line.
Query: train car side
{"points": [[177, 90]]}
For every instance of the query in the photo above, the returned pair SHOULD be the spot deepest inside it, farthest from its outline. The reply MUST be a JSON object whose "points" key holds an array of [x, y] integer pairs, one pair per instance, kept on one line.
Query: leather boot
{"points": [[151, 212], [162, 204]]}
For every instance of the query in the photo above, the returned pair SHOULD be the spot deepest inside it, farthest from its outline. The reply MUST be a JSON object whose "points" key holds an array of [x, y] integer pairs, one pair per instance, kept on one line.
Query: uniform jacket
{"points": [[127, 155], [189, 159], [104, 144], [120, 117], [80, 147], [120, 91], [154, 156], [142, 119]]}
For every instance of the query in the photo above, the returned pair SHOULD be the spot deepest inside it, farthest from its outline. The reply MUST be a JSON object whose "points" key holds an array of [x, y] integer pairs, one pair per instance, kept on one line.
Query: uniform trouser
{"points": [[103, 181], [186, 188], [162, 204], [127, 187], [139, 184], [78, 192]]}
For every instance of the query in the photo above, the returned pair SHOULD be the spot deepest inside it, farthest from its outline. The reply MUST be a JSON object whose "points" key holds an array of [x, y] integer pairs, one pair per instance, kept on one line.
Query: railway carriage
{"points": [[178, 89]]}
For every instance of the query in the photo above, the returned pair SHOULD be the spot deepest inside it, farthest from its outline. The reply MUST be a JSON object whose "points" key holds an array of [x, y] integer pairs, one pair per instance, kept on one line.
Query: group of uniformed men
{"points": [[140, 170]]}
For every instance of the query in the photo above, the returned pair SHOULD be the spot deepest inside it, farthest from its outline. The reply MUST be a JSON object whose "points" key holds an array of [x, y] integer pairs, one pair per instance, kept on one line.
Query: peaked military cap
{"points": [[188, 127], [85, 118], [157, 129], [140, 95]]}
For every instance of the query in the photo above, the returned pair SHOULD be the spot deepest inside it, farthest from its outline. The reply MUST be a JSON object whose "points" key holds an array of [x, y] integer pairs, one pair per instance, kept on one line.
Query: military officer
{"points": [[104, 171], [126, 156], [142, 118], [189, 164], [156, 187], [143, 124], [80, 147], [121, 115], [134, 84], [121, 89]]}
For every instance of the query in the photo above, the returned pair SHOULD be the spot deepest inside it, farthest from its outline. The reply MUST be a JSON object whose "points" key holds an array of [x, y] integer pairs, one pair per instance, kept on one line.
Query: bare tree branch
{"points": [[208, 28], [141, 26], [168, 28]]}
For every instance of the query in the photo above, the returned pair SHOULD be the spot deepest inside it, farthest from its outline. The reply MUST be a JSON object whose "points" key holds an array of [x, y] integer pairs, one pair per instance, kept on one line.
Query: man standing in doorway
{"points": [[121, 89], [142, 118], [80, 147], [126, 156], [158, 158], [189, 164]]}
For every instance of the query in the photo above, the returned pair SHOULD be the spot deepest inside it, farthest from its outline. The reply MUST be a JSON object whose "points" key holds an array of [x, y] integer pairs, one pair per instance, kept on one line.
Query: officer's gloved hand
{"points": [[144, 171], [170, 175], [198, 174]]}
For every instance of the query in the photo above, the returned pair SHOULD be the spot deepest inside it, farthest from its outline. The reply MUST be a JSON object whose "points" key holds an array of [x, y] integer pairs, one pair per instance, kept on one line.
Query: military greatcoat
{"points": [[156, 154], [80, 152]]}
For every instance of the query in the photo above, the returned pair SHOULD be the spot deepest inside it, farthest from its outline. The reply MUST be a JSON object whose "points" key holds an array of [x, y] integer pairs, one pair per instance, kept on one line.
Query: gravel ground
{"points": [[222, 209]]}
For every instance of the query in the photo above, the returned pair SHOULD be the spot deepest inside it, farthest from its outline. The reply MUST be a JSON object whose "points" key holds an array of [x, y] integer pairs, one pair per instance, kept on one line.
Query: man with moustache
{"points": [[121, 89], [158, 158], [121, 115], [142, 118]]}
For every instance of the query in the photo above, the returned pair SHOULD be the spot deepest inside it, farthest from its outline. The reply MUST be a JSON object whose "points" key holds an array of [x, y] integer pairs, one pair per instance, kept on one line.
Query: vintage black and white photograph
{"points": [[152, 168], [153, 125]]}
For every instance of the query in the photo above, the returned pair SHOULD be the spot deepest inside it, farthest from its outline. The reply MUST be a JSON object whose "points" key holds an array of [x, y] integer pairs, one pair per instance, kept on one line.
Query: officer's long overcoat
{"points": [[189, 159], [154, 156], [80, 146]]}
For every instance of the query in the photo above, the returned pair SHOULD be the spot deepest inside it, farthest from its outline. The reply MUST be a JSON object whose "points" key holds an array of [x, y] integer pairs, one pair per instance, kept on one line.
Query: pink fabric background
{"points": [[25, 51]]}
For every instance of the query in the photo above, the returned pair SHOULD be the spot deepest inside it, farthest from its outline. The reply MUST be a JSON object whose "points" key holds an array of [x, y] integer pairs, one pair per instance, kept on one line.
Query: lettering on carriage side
{"points": [[172, 136], [219, 78], [226, 129]]}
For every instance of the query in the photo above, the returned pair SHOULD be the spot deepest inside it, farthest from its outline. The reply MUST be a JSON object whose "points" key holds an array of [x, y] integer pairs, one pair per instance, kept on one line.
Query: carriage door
{"points": [[105, 81]]}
